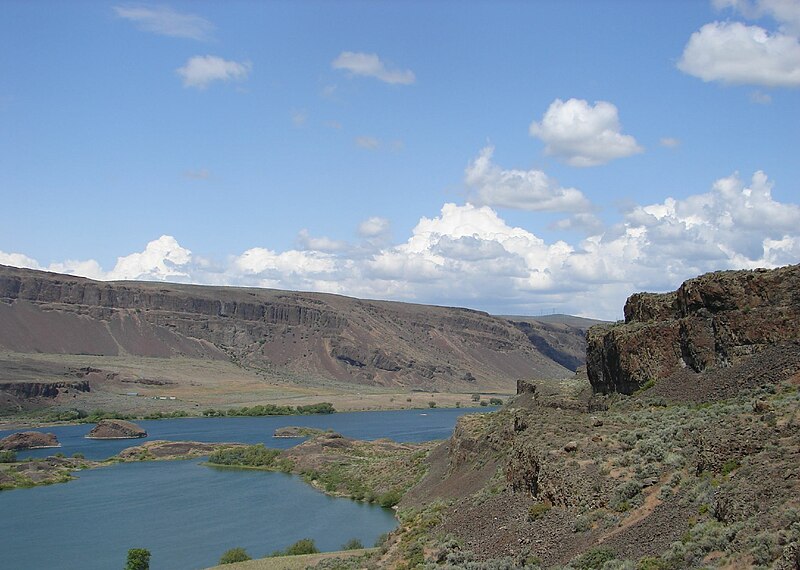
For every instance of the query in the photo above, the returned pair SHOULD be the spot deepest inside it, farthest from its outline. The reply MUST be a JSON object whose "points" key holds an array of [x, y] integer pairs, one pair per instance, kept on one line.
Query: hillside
{"points": [[130, 336], [560, 337], [690, 465]]}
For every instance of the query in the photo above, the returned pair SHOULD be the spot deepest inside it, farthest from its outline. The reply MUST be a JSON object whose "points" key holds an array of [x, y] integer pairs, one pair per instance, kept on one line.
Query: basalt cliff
{"points": [[277, 334], [713, 322]]}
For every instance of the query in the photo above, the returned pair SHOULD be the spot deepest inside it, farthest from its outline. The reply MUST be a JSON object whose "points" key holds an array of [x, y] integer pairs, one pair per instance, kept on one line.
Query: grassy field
{"points": [[292, 562]]}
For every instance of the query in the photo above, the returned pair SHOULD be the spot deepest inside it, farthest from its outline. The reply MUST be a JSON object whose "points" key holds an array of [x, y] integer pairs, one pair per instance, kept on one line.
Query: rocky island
{"points": [[116, 429], [28, 440], [296, 432]]}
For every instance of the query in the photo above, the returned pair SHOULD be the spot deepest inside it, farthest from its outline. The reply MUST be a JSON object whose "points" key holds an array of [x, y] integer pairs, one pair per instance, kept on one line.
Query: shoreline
{"points": [[12, 424]]}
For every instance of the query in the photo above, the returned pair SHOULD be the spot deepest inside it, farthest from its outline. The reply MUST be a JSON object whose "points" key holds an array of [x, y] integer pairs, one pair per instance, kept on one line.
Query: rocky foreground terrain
{"points": [[65, 339], [680, 448]]}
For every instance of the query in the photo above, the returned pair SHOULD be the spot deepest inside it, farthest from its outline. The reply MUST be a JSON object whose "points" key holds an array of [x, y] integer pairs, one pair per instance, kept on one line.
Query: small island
{"points": [[116, 429], [297, 431], [28, 440]]}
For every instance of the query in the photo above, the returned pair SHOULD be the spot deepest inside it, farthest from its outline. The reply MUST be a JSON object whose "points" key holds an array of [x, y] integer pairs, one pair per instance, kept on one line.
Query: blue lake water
{"points": [[188, 514]]}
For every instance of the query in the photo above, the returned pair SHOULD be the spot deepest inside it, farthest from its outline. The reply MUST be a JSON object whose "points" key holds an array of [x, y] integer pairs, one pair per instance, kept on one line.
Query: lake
{"points": [[188, 514]]}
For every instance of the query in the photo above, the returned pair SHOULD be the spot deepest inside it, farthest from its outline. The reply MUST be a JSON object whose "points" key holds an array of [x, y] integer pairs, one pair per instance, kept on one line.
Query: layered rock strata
{"points": [[713, 321]]}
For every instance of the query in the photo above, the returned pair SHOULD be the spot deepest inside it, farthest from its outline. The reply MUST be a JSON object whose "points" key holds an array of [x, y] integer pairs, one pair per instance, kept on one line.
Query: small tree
{"points": [[237, 554], [431, 404], [303, 546], [476, 397], [138, 559]]}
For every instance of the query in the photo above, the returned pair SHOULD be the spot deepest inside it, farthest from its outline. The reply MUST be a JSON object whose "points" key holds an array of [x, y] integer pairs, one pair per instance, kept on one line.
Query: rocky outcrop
{"points": [[171, 450], [43, 389], [712, 321], [116, 429], [28, 440]]}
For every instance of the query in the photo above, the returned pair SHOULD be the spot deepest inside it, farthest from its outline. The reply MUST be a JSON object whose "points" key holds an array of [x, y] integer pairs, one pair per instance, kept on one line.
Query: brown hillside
{"points": [[277, 333]]}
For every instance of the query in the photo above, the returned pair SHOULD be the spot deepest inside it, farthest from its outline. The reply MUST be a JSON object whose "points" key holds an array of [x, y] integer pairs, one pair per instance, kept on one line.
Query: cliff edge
{"points": [[715, 321]]}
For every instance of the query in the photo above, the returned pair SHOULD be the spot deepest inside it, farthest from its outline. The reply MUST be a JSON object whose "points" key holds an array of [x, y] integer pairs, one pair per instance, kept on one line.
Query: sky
{"points": [[520, 158]]}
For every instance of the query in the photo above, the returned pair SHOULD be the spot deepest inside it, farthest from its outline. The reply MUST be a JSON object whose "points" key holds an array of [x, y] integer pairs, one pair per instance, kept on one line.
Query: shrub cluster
{"points": [[272, 410], [249, 456]]}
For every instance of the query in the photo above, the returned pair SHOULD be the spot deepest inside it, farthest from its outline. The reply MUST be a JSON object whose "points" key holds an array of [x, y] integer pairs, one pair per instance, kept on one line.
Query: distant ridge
{"points": [[282, 334]]}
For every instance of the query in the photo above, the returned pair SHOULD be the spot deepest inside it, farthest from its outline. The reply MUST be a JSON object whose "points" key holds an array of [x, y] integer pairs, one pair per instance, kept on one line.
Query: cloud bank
{"points": [[469, 255]]}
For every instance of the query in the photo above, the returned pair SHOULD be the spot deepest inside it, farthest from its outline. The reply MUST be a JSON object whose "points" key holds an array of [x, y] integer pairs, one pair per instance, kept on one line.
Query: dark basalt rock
{"points": [[712, 321], [28, 440], [116, 429]]}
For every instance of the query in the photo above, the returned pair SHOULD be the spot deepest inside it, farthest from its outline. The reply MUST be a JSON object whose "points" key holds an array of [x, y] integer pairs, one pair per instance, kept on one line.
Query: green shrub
{"points": [[321, 408], [431, 404], [593, 559], [138, 559], [729, 466], [495, 401], [8, 456], [649, 563], [537, 511], [646, 386], [476, 397], [237, 554], [390, 498], [249, 456], [484, 403], [352, 544], [623, 496], [302, 546]]}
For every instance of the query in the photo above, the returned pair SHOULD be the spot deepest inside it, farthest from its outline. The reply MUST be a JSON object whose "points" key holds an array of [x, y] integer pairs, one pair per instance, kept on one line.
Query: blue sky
{"points": [[515, 157]]}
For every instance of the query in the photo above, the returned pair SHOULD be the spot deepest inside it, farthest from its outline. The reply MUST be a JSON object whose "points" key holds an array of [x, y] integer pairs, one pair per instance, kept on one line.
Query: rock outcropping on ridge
{"points": [[713, 321]]}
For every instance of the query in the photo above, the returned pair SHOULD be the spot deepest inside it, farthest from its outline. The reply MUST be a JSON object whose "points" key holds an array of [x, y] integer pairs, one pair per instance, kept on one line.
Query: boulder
{"points": [[28, 440], [116, 429]]}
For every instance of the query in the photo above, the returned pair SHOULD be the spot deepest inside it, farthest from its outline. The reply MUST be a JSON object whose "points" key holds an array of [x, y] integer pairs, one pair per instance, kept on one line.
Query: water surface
{"points": [[188, 514]]}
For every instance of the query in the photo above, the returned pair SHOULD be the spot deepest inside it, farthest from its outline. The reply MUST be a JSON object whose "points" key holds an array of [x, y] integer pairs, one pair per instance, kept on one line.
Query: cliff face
{"points": [[713, 321], [299, 334]]}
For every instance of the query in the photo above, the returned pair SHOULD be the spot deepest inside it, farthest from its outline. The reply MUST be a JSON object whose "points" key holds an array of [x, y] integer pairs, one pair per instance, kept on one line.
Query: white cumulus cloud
{"points": [[519, 189], [163, 259], [373, 227], [370, 65], [582, 134], [18, 260], [165, 21], [201, 70], [309, 242], [732, 52]]}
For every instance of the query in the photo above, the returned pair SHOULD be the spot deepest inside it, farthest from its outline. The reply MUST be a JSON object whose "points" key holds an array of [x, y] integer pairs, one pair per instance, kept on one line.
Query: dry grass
{"points": [[292, 562], [198, 384]]}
